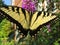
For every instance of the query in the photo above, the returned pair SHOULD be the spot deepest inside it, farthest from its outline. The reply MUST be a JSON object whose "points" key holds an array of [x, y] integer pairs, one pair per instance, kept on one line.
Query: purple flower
{"points": [[29, 5]]}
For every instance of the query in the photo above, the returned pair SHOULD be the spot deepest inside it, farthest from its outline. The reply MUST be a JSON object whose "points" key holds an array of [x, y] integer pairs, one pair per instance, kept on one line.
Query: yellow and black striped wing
{"points": [[17, 13], [39, 18], [24, 17]]}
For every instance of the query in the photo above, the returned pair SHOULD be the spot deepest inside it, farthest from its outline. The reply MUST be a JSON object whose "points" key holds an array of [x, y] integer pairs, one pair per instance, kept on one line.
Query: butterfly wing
{"points": [[37, 21], [22, 17]]}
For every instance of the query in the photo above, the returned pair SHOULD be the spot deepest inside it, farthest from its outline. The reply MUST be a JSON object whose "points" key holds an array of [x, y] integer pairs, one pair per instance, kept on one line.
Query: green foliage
{"points": [[5, 42], [1, 3], [4, 32], [4, 28], [56, 0]]}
